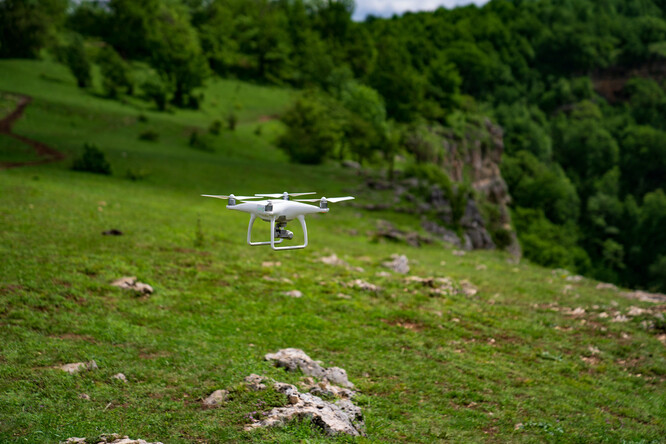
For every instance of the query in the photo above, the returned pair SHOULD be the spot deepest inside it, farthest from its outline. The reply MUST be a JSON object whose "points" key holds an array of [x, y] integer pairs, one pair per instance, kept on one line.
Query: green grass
{"points": [[12, 150], [504, 365]]}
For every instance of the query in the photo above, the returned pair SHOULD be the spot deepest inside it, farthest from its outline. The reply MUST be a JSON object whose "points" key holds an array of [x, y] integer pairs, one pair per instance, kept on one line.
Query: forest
{"points": [[577, 86]]}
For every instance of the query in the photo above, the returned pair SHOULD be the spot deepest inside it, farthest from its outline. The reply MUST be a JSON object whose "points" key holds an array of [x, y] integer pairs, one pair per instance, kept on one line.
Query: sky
{"points": [[386, 8]]}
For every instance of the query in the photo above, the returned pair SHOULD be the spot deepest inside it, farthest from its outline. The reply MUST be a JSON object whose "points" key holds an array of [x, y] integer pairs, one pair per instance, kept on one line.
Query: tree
{"points": [[176, 54], [312, 134], [401, 86], [534, 184], [75, 57], [115, 71], [26, 26], [643, 159]]}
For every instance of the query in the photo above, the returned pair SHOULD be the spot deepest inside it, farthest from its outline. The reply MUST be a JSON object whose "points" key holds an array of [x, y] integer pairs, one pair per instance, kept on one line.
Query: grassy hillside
{"points": [[518, 361]]}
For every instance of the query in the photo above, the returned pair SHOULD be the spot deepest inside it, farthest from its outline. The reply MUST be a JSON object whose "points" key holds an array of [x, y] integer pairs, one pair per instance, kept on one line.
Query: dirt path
{"points": [[47, 153]]}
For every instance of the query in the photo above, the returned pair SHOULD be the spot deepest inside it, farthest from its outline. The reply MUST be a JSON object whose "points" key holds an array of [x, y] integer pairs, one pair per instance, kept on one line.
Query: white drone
{"points": [[278, 213]]}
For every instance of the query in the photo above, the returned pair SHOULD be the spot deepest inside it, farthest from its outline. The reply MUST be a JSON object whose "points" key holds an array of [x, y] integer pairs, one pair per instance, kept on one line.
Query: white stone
{"points": [[293, 293], [120, 377], [216, 398]]}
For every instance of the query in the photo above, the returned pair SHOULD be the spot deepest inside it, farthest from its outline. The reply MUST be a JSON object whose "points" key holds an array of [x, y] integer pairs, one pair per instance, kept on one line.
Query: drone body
{"points": [[278, 212]]}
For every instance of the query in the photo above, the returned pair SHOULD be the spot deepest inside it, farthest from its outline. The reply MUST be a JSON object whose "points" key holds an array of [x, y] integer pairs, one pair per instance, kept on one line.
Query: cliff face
{"points": [[471, 213], [474, 156]]}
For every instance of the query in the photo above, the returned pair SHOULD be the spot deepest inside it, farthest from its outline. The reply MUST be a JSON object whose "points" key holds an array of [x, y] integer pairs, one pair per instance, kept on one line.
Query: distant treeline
{"points": [[586, 175]]}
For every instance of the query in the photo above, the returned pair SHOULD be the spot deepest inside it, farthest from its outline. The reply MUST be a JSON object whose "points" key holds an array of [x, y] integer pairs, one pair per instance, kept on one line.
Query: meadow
{"points": [[528, 357]]}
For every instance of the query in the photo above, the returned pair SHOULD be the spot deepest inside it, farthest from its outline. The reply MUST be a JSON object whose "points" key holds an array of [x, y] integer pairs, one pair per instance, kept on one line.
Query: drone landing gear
{"points": [[278, 231]]}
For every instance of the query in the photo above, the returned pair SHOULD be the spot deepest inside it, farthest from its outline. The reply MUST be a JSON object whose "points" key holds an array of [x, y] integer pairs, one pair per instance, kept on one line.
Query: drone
{"points": [[278, 209]]}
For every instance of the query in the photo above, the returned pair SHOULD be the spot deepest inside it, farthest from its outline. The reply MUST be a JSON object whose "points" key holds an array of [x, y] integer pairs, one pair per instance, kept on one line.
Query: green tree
{"points": [[26, 26], [176, 54], [643, 159], [115, 72], [312, 134], [534, 184], [74, 55]]}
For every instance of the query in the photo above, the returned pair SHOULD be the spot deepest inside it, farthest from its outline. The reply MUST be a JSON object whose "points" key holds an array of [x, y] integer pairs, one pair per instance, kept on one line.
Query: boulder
{"points": [[399, 264], [76, 367], [113, 438], [294, 358], [334, 418], [216, 398], [130, 283]]}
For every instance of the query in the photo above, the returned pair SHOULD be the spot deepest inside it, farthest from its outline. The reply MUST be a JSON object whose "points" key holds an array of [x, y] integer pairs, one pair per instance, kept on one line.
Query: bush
{"points": [[312, 134], [199, 142], [115, 71], [75, 57], [92, 160], [149, 135], [215, 127], [156, 90], [232, 120], [136, 174]]}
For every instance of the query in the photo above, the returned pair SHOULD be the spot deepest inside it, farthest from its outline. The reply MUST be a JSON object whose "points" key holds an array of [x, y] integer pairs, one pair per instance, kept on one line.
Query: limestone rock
{"points": [[399, 264], [341, 417], [216, 398], [333, 259], [644, 296], [113, 438], [467, 288], [386, 230], [130, 283], [120, 377], [76, 367], [294, 358], [362, 285], [605, 286], [255, 382], [293, 293]]}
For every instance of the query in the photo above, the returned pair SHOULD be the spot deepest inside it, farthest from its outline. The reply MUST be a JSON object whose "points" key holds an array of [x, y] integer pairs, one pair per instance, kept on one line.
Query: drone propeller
{"points": [[327, 199], [231, 196], [284, 195]]}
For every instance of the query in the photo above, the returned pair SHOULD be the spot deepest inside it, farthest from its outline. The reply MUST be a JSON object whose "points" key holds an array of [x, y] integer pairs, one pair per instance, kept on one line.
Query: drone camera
{"points": [[281, 233]]}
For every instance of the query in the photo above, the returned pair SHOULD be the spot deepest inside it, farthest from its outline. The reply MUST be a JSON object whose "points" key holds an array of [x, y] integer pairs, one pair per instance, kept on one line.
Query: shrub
{"points": [[75, 57], [215, 127], [115, 71], [232, 120], [312, 133], [92, 160], [156, 90], [199, 142], [136, 174], [149, 135]]}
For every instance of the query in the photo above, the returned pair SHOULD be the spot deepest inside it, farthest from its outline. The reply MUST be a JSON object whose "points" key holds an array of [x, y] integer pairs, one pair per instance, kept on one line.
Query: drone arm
{"points": [[249, 233], [301, 219]]}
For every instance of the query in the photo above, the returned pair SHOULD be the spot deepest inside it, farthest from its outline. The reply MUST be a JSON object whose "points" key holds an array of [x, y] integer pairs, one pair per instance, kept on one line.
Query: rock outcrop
{"points": [[333, 417], [294, 358], [113, 438], [472, 156]]}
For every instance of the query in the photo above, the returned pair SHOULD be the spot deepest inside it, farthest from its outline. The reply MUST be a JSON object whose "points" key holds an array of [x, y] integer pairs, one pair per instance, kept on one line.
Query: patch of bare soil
{"points": [[47, 153]]}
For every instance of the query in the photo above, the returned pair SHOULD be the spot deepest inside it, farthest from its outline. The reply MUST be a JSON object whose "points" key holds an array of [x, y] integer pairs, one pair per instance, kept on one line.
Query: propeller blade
{"points": [[339, 199], [328, 199], [222, 196], [276, 195]]}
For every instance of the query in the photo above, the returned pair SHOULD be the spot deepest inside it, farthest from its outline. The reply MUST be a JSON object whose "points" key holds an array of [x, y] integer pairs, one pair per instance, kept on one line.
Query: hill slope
{"points": [[530, 356]]}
